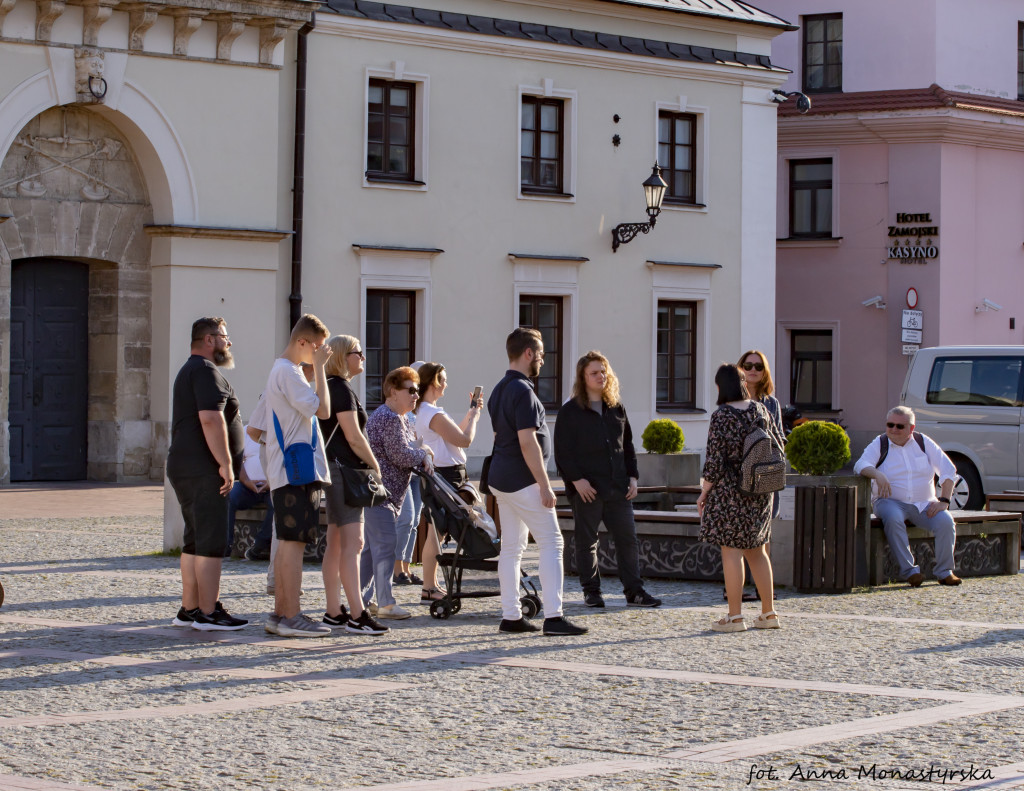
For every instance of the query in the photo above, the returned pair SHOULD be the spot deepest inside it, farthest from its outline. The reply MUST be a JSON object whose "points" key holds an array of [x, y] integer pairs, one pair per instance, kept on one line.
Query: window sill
{"points": [[689, 412], [700, 207], [564, 197], [800, 241], [377, 181]]}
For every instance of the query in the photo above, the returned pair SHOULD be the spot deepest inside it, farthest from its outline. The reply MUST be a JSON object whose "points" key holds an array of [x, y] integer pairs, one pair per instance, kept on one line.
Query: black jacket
{"points": [[596, 447]]}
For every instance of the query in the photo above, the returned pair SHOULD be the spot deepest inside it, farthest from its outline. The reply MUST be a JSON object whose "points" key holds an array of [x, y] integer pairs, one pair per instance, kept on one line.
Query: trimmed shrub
{"points": [[663, 436], [818, 447]]}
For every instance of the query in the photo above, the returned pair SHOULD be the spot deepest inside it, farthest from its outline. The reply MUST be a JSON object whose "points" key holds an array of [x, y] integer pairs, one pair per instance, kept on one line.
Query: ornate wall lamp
{"points": [[654, 193]]}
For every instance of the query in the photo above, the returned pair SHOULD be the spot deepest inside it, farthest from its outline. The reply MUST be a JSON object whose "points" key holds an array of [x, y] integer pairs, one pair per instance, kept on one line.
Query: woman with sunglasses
{"points": [[448, 441], [347, 446], [396, 448], [758, 377]]}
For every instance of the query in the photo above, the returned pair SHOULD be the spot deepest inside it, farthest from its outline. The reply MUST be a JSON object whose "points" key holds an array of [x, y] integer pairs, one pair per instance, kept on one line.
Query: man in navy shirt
{"points": [[519, 480]]}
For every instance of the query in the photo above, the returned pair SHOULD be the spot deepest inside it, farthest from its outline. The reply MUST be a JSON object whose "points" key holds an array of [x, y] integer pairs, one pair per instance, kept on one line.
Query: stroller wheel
{"points": [[536, 601], [441, 609], [456, 606], [528, 606]]}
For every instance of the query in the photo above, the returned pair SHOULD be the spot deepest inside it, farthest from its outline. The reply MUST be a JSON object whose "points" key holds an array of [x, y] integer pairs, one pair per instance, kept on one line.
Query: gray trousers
{"points": [[617, 514]]}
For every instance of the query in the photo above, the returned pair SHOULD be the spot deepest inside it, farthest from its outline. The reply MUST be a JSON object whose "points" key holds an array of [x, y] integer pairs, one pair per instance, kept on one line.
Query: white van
{"points": [[969, 400]]}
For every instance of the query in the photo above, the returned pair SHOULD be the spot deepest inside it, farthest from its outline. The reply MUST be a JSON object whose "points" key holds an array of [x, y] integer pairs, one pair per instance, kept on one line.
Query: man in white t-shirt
{"points": [[902, 466], [289, 407]]}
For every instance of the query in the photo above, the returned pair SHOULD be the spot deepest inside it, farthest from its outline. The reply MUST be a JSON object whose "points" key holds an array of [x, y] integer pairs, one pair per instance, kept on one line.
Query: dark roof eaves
{"points": [[570, 37]]}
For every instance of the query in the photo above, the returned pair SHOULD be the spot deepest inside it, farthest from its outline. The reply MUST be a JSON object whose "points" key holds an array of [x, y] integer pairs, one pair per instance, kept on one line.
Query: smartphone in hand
{"points": [[476, 396]]}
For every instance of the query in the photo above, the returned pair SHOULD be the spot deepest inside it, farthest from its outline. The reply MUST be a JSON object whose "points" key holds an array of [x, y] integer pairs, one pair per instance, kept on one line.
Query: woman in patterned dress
{"points": [[739, 523]]}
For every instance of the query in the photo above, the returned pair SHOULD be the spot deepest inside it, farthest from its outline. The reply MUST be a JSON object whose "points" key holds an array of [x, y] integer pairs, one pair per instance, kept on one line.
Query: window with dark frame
{"points": [[823, 53], [391, 131], [810, 198], [390, 339], [677, 150], [545, 313], [676, 379], [1020, 61], [542, 144], [811, 364]]}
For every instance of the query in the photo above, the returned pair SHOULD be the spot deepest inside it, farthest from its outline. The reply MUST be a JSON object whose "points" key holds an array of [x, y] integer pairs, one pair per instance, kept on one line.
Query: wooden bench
{"points": [[667, 542], [1009, 500], [987, 542], [655, 498]]}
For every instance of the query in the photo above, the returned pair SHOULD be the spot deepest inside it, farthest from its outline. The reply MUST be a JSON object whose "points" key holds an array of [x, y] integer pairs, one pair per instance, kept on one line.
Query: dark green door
{"points": [[49, 370]]}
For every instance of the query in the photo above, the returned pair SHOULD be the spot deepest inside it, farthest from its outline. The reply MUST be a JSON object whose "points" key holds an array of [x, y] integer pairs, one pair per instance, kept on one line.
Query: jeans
{"points": [[377, 561], [895, 514], [241, 498], [521, 515], [617, 514], [408, 521]]}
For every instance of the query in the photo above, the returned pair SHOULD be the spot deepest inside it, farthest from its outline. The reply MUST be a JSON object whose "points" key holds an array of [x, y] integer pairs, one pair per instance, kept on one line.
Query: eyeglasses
{"points": [[753, 366], [414, 391], [359, 352], [225, 336], [899, 426]]}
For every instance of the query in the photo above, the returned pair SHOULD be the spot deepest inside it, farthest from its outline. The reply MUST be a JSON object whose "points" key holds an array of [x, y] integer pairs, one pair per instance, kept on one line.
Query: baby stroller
{"points": [[476, 546]]}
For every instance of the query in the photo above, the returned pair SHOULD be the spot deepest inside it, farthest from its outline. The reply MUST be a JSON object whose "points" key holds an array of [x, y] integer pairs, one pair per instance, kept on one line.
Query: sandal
{"points": [[729, 623], [428, 595], [767, 620]]}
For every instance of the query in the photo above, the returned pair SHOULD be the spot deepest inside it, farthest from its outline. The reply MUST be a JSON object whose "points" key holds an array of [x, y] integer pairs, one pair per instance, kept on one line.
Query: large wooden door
{"points": [[49, 370]]}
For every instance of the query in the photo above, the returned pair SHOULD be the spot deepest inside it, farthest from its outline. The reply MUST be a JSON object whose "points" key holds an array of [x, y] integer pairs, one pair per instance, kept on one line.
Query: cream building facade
{"points": [[465, 164]]}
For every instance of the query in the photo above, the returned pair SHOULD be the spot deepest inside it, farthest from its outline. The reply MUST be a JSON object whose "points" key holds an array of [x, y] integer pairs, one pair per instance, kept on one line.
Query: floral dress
{"points": [[732, 518]]}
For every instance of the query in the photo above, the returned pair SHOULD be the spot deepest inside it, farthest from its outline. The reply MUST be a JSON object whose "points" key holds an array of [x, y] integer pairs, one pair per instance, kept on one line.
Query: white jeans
{"points": [[522, 513]]}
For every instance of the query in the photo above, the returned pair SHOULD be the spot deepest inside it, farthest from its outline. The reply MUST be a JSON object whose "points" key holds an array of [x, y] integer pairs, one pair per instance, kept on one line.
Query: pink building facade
{"points": [[900, 190]]}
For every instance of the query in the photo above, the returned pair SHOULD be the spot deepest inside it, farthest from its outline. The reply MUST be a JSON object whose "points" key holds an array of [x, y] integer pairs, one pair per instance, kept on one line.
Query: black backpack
{"points": [[883, 440]]}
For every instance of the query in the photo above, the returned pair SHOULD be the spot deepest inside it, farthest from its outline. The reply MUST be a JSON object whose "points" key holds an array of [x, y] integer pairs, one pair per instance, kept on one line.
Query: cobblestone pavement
{"points": [[97, 690]]}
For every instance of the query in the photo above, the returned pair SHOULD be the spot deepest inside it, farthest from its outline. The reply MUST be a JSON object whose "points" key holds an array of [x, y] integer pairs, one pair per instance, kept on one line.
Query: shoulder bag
{"points": [[299, 458], [363, 487]]}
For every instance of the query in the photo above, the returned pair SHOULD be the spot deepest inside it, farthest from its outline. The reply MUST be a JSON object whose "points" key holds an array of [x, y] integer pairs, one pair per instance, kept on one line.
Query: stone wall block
{"points": [[134, 407], [109, 220], [103, 353], [135, 330], [104, 443], [134, 383], [140, 246], [132, 282], [86, 244], [102, 471], [67, 215], [137, 357]]}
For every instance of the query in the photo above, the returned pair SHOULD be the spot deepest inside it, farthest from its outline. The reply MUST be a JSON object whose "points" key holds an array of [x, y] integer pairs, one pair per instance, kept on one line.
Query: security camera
{"points": [[987, 304], [874, 302], [803, 103]]}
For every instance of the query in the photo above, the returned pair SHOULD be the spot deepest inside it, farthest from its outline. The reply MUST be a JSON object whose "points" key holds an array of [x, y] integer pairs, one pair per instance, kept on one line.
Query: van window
{"points": [[981, 381]]}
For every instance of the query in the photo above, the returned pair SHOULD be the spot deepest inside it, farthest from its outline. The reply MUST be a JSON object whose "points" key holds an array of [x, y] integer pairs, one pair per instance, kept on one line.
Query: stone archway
{"points": [[73, 190]]}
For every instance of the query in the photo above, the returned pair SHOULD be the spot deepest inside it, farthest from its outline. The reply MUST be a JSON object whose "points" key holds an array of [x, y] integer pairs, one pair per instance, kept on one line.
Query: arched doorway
{"points": [[49, 384]]}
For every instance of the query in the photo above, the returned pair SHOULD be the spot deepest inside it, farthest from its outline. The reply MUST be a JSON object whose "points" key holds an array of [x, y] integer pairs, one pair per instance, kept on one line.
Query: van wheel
{"points": [[967, 492]]}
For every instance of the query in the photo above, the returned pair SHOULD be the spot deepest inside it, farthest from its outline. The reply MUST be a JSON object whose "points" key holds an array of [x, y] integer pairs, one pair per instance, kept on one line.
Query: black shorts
{"points": [[297, 512], [205, 511]]}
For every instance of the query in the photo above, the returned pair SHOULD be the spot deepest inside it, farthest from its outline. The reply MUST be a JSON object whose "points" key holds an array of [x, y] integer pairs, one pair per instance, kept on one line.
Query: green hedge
{"points": [[818, 447], [663, 436]]}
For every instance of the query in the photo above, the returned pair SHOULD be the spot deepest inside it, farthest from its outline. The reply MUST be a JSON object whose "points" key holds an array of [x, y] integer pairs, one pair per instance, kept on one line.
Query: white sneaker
{"points": [[301, 626], [394, 612]]}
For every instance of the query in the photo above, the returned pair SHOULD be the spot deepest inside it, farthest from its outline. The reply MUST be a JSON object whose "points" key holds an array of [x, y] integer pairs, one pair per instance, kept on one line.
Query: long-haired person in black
{"points": [[595, 456]]}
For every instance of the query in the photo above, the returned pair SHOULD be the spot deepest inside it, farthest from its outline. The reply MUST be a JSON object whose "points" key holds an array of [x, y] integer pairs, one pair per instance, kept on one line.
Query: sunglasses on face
{"points": [[413, 391], [359, 352], [753, 366], [899, 426]]}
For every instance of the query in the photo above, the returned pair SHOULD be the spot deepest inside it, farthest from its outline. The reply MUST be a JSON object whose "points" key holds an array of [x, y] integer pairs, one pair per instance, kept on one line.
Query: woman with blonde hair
{"points": [[347, 446], [595, 456]]}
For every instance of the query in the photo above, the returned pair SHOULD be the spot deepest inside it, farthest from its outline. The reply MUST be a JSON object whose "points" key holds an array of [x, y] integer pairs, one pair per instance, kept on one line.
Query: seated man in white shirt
{"points": [[902, 466]]}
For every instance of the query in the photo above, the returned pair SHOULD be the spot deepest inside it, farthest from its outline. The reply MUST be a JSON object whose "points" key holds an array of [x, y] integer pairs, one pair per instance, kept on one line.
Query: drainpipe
{"points": [[298, 170]]}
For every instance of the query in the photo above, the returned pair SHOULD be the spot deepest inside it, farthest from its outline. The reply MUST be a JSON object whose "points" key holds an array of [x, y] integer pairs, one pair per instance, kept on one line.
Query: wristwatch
{"points": [[943, 500]]}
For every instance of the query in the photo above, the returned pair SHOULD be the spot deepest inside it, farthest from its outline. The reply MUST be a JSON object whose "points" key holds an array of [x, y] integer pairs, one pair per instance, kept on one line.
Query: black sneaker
{"points": [[401, 579], [184, 617], [365, 624], [561, 627], [413, 579], [517, 626], [594, 599], [641, 598], [337, 621], [220, 620]]}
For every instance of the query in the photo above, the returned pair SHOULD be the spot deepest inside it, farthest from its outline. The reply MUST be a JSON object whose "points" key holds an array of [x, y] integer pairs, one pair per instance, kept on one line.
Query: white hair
{"points": [[905, 412]]}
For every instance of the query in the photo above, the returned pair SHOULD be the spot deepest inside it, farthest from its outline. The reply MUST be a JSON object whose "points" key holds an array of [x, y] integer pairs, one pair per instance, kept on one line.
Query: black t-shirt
{"points": [[343, 399], [199, 387], [513, 406]]}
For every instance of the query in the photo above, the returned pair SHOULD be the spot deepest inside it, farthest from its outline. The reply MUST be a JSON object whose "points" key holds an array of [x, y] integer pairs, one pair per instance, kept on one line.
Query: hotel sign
{"points": [[912, 238]]}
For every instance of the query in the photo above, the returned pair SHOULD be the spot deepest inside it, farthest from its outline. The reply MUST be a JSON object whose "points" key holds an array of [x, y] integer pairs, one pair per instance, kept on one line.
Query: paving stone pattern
{"points": [[98, 691]]}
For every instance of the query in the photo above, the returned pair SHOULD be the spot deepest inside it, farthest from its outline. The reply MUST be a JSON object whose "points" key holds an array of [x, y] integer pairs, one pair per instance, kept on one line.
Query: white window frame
{"points": [[782, 222], [547, 90], [702, 159], [784, 355], [552, 277], [421, 134], [399, 270]]}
